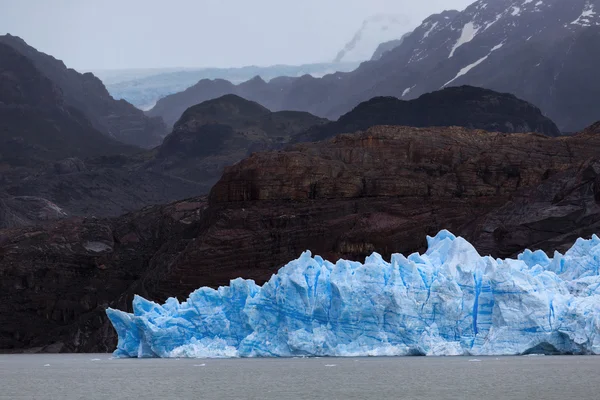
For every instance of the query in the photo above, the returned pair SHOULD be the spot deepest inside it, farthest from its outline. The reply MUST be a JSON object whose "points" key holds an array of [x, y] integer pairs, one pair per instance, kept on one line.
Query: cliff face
{"points": [[58, 278], [380, 190]]}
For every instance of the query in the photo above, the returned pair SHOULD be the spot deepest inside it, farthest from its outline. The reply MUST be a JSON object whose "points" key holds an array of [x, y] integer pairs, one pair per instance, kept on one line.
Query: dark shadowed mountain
{"points": [[78, 177], [81, 181], [37, 125], [465, 106], [221, 132], [43, 141], [543, 52], [86, 93]]}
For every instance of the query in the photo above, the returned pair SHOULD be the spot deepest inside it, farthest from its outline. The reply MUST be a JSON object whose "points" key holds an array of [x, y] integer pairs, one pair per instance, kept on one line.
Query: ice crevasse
{"points": [[448, 301]]}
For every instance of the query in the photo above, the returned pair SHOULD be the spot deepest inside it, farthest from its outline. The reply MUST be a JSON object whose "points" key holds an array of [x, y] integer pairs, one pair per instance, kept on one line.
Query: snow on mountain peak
{"points": [[469, 32], [587, 16], [374, 31]]}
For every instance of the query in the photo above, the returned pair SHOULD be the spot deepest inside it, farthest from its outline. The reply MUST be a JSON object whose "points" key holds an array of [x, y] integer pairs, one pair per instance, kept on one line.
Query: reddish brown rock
{"points": [[382, 190]]}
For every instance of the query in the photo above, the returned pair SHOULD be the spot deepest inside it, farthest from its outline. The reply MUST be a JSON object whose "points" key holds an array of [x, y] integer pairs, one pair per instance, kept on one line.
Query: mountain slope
{"points": [[42, 143], [218, 133], [117, 119], [543, 52], [36, 123], [465, 106], [374, 31]]}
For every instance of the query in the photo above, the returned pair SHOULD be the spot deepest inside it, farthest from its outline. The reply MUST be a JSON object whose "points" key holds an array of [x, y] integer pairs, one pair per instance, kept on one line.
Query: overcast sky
{"points": [[114, 34]]}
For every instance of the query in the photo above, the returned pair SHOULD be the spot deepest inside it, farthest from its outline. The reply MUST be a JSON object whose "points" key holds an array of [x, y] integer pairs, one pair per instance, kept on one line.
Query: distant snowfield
{"points": [[144, 87]]}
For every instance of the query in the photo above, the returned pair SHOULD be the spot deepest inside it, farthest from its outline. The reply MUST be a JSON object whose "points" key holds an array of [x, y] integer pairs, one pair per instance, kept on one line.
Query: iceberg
{"points": [[448, 301]]}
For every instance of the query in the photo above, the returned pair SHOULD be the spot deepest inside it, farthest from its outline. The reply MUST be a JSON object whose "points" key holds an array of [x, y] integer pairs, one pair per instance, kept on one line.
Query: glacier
{"points": [[447, 301]]}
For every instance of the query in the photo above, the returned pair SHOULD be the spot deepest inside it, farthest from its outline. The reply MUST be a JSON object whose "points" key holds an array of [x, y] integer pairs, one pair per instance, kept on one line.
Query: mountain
{"points": [[54, 163], [434, 20], [217, 133], [542, 52], [73, 170], [37, 125], [374, 31], [383, 189], [143, 88], [209, 137], [86, 93], [465, 106], [387, 46], [220, 132]]}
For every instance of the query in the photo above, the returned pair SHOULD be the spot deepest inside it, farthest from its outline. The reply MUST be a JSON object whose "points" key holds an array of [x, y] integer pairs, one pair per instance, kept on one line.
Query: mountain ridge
{"points": [[85, 92], [543, 50], [466, 106]]}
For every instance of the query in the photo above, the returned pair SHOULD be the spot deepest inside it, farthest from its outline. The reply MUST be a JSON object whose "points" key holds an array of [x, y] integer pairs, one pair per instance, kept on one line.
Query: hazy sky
{"points": [[99, 34]]}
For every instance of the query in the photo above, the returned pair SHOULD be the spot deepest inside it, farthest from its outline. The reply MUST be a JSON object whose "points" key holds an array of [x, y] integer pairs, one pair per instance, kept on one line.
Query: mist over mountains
{"points": [[542, 48]]}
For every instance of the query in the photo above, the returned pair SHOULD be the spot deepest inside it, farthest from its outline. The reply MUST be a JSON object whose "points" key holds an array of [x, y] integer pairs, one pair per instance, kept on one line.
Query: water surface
{"points": [[98, 376]]}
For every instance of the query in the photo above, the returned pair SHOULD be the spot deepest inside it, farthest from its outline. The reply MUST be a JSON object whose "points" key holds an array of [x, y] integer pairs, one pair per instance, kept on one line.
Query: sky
{"points": [[120, 34]]}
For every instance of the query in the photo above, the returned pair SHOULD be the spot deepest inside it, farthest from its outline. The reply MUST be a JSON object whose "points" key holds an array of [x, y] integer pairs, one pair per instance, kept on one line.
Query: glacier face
{"points": [[448, 301]]}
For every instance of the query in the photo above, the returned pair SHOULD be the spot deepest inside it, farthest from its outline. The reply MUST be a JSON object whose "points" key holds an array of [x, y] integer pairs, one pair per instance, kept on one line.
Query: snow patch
{"points": [[467, 34], [407, 90], [469, 67], [426, 34], [585, 19]]}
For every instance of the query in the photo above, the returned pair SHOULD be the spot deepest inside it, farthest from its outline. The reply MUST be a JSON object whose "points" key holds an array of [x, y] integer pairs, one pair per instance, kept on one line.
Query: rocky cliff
{"points": [[379, 190]]}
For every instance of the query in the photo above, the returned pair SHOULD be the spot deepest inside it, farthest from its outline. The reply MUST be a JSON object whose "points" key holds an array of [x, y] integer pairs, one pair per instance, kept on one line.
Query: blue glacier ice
{"points": [[448, 301]]}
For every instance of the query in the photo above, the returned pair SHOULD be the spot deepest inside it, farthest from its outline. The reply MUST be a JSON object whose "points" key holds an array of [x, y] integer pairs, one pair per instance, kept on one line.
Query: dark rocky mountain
{"points": [[86, 93], [465, 106], [543, 52], [218, 133], [205, 89], [221, 132], [43, 141], [435, 19], [209, 137], [36, 123], [383, 189]]}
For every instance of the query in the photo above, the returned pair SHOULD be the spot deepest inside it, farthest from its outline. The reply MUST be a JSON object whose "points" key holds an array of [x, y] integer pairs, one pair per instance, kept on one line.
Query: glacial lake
{"points": [[97, 376]]}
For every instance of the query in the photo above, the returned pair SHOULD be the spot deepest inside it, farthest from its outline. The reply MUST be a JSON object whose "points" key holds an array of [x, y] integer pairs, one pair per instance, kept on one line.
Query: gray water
{"points": [[97, 376]]}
